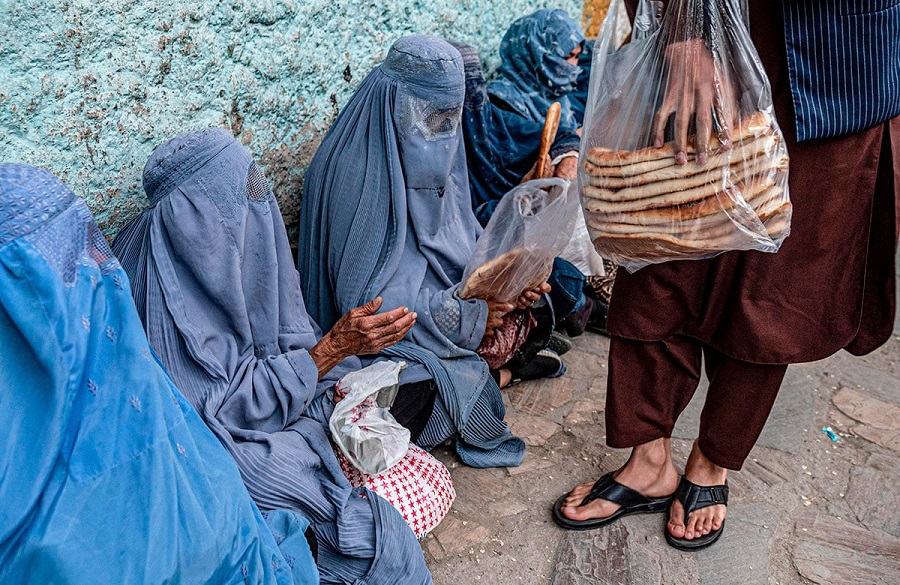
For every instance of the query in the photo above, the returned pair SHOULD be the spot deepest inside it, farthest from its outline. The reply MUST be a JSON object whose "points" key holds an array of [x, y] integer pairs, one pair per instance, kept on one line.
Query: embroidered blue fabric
{"points": [[109, 476]]}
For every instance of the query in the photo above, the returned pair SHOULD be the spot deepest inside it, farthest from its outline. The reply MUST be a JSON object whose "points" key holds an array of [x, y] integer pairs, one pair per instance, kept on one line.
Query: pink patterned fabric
{"points": [[499, 348], [419, 487]]}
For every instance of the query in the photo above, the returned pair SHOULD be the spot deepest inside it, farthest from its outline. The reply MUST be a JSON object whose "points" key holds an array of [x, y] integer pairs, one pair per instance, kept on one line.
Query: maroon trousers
{"points": [[651, 383], [830, 287]]}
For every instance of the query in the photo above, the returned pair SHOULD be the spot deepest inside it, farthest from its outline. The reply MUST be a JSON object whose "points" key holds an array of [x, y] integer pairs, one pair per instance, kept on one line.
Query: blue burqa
{"points": [[534, 72], [578, 97], [501, 145], [215, 284], [387, 211], [107, 475]]}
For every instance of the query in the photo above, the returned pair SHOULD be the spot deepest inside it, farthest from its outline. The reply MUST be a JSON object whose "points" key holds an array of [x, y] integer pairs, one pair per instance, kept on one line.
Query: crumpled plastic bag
{"points": [[641, 204], [361, 425], [529, 228]]}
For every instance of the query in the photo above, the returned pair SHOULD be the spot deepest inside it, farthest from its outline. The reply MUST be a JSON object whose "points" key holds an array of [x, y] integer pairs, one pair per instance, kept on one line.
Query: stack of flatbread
{"points": [[504, 278], [641, 205]]}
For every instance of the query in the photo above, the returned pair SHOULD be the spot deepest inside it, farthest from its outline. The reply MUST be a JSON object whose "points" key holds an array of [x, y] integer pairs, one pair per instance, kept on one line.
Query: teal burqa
{"points": [[107, 475]]}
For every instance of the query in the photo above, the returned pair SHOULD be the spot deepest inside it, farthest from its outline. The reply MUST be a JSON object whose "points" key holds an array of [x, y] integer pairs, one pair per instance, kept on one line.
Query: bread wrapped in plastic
{"points": [[530, 226], [641, 203]]}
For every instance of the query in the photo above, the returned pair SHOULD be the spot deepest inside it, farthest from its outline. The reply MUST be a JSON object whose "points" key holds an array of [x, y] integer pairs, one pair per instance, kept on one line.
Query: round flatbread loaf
{"points": [[505, 277]]}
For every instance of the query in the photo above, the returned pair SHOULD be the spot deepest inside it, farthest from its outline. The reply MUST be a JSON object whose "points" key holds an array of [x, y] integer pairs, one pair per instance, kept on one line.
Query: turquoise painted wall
{"points": [[89, 87]]}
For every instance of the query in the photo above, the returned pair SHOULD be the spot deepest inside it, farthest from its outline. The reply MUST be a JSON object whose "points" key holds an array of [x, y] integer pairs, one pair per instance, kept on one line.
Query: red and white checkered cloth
{"points": [[419, 487]]}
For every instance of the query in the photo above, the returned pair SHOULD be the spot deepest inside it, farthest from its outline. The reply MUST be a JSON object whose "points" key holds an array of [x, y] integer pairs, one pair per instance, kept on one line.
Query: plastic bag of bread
{"points": [[530, 227], [681, 155]]}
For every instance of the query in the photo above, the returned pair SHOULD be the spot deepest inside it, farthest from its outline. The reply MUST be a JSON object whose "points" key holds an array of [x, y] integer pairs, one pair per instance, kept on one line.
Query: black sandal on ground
{"points": [[607, 488], [694, 497]]}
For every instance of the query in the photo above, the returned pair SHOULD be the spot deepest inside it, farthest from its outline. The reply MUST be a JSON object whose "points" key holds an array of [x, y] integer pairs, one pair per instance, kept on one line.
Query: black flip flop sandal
{"points": [[694, 497], [607, 488]]}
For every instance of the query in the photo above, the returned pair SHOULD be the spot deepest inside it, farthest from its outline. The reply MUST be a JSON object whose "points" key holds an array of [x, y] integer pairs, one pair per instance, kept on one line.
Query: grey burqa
{"points": [[215, 285], [387, 211]]}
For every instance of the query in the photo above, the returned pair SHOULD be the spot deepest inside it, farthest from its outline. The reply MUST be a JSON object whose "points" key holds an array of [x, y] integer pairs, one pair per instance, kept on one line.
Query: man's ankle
{"points": [[657, 454], [699, 463]]}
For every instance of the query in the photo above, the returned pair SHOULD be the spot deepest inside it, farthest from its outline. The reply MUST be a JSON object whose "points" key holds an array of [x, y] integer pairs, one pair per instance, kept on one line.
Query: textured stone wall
{"points": [[89, 87]]}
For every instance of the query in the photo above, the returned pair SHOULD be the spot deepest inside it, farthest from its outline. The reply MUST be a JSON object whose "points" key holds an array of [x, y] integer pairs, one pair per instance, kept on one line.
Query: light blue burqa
{"points": [[534, 72], [387, 211], [216, 286], [107, 475]]}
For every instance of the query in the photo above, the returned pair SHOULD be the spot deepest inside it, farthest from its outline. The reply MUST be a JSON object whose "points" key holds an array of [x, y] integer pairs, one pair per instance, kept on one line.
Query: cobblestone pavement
{"points": [[804, 509]]}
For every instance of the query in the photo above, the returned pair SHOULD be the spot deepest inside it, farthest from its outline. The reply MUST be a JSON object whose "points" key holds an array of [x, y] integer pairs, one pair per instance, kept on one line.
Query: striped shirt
{"points": [[844, 63]]}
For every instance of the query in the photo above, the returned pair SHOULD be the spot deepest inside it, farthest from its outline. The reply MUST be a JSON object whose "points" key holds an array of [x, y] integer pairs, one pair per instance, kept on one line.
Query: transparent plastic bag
{"points": [[580, 250], [529, 228], [690, 81], [361, 426]]}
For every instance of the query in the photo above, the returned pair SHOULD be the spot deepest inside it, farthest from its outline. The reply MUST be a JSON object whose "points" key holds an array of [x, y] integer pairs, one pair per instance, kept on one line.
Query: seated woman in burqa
{"points": [[539, 54], [214, 282], [387, 212], [109, 475], [502, 150]]}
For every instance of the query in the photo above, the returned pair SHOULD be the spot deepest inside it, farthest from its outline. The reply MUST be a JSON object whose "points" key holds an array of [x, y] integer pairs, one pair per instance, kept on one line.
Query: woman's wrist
{"points": [[567, 154], [325, 356]]}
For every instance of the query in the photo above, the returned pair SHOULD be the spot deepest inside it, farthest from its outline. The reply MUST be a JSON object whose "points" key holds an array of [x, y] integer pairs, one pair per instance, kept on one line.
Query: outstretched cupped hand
{"points": [[364, 331]]}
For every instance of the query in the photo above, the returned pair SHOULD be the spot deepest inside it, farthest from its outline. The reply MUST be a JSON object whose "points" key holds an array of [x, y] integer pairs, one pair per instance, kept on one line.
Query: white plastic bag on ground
{"points": [[361, 425]]}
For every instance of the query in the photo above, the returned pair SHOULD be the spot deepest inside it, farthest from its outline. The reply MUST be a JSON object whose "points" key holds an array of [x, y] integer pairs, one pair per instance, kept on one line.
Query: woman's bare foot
{"points": [[505, 378], [649, 471], [701, 471]]}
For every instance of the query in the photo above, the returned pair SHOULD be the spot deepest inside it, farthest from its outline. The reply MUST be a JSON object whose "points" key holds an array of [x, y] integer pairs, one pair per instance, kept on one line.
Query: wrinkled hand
{"points": [[697, 89], [532, 173], [496, 311], [567, 168], [361, 332], [529, 297]]}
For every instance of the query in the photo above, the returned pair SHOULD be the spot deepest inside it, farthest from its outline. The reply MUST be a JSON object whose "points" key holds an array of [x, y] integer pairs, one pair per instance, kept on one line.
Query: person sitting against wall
{"points": [[539, 65], [545, 59], [109, 475], [501, 151], [214, 282], [387, 211]]}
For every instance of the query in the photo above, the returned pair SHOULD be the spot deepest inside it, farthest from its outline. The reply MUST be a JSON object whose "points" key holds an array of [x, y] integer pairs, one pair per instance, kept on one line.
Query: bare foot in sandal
{"points": [[649, 472], [702, 472]]}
